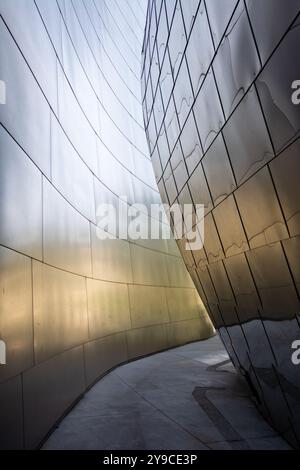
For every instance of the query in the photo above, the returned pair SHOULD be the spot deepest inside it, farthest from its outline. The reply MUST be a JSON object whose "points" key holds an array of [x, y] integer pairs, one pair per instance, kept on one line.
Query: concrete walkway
{"points": [[186, 398]]}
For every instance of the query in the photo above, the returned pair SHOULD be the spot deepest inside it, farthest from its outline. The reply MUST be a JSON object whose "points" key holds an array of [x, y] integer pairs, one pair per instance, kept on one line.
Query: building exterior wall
{"points": [[73, 306], [222, 119]]}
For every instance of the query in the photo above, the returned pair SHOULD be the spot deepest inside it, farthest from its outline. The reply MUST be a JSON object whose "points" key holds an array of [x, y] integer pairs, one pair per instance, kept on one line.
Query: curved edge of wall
{"points": [[36, 400]]}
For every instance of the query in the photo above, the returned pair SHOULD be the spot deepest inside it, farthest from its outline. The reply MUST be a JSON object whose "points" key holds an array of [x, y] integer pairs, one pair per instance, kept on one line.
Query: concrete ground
{"points": [[186, 398]]}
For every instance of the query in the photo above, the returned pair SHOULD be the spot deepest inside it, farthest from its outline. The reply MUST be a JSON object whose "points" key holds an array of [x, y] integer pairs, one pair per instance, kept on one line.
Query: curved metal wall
{"points": [[71, 137], [223, 131]]}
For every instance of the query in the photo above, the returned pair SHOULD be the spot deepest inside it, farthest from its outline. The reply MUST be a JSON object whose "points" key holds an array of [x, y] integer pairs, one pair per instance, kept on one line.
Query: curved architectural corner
{"points": [[72, 306], [223, 119]]}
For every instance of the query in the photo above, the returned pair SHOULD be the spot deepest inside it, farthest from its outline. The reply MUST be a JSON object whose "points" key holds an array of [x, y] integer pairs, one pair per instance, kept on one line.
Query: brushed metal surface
{"points": [[156, 272], [218, 170], [72, 136], [231, 73], [24, 98], [267, 225], [48, 390], [103, 354], [39, 54], [148, 305], [232, 235], [108, 308], [247, 121], [270, 20], [143, 341], [77, 185], [66, 234], [11, 414], [232, 77], [285, 170], [16, 323], [21, 199], [183, 304], [60, 311], [110, 259]]}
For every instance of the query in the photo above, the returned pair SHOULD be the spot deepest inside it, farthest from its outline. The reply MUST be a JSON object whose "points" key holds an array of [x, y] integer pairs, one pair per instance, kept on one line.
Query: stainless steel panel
{"points": [[234, 75], [212, 244], [208, 104], [190, 143], [143, 341], [221, 283], [76, 186], [158, 107], [89, 32], [159, 244], [11, 415], [16, 312], [243, 287], [292, 250], [66, 234], [23, 99], [172, 123], [177, 39], [274, 282], [108, 308], [105, 195], [103, 354], [51, 16], [230, 227], [80, 65], [144, 193], [198, 285], [154, 70], [148, 305], [39, 54], [156, 163], [188, 330], [166, 80], [177, 272], [121, 184], [245, 123], [170, 184], [199, 257], [49, 389], [285, 170], [275, 90], [178, 166], [270, 20], [170, 7], [198, 58], [151, 127], [183, 94], [162, 32], [218, 170], [199, 189], [75, 123], [21, 199], [163, 146], [266, 225], [184, 304], [156, 273], [219, 17], [189, 12], [111, 259], [60, 311]]}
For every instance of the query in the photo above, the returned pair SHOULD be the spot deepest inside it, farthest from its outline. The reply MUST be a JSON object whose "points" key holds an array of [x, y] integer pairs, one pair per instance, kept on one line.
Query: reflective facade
{"points": [[72, 136], [223, 131]]}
